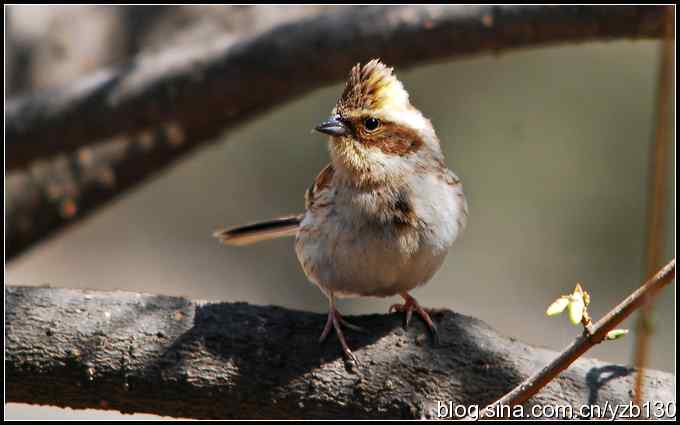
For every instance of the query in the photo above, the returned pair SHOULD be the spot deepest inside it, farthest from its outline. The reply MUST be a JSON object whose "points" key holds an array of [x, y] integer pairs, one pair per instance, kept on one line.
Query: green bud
{"points": [[576, 308], [557, 306], [616, 334]]}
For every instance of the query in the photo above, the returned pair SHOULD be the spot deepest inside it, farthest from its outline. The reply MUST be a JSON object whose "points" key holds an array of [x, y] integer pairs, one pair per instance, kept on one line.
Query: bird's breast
{"points": [[381, 242]]}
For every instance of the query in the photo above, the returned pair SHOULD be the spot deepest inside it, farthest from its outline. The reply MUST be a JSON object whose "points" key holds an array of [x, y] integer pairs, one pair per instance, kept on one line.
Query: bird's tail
{"points": [[262, 231]]}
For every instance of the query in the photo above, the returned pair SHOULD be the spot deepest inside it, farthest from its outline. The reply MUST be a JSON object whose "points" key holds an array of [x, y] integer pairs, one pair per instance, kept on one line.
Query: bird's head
{"points": [[377, 136]]}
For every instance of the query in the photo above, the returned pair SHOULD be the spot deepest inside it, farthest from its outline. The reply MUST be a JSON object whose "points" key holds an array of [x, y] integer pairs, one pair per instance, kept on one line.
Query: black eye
{"points": [[371, 123]]}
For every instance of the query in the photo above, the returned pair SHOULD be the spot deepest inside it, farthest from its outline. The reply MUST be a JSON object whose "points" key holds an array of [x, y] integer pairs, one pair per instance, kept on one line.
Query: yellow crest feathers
{"points": [[370, 87]]}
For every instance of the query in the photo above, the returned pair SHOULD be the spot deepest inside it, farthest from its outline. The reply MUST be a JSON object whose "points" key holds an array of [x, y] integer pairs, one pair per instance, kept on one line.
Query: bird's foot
{"points": [[411, 304], [336, 321]]}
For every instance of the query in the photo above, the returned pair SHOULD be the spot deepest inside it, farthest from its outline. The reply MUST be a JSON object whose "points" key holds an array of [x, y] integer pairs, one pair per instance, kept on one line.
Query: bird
{"points": [[380, 218]]}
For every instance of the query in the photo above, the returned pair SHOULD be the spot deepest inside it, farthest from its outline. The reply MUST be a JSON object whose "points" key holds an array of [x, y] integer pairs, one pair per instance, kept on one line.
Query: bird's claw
{"points": [[336, 321], [410, 304]]}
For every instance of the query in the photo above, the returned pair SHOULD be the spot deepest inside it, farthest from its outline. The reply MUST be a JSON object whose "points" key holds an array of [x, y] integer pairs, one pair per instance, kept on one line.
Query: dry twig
{"points": [[655, 237], [589, 338]]}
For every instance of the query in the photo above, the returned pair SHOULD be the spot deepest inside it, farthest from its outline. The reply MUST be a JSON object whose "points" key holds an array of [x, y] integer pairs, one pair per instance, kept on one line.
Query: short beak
{"points": [[334, 127]]}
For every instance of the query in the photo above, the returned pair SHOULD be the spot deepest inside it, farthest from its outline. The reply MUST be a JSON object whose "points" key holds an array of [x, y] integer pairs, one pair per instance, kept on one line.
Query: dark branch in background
{"points": [[592, 336], [176, 357], [656, 192], [214, 85], [200, 93]]}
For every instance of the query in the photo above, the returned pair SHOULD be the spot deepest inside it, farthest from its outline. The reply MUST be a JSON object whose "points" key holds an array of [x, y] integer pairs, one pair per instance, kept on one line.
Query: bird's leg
{"points": [[336, 321], [411, 304]]}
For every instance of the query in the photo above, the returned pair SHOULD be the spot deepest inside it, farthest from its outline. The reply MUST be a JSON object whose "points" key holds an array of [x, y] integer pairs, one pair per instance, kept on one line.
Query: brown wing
{"points": [[321, 183]]}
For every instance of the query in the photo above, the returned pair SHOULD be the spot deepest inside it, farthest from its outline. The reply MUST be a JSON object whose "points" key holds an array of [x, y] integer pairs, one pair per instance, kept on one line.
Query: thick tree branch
{"points": [[54, 193], [190, 97], [176, 357]]}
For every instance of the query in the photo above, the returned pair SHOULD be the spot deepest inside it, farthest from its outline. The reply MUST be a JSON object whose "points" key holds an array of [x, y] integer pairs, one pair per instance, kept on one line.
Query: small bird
{"points": [[381, 216]]}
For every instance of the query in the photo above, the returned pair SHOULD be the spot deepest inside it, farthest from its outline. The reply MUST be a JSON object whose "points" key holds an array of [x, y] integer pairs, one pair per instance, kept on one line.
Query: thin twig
{"points": [[583, 343], [655, 237]]}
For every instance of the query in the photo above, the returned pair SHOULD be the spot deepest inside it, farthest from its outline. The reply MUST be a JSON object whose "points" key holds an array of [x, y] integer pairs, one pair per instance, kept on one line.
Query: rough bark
{"points": [[190, 96], [176, 357]]}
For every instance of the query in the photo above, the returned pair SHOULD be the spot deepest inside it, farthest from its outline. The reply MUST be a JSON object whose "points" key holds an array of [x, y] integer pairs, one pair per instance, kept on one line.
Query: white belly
{"points": [[342, 252]]}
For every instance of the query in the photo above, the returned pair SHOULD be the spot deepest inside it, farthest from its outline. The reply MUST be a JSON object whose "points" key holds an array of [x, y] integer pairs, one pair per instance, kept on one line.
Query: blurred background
{"points": [[552, 145]]}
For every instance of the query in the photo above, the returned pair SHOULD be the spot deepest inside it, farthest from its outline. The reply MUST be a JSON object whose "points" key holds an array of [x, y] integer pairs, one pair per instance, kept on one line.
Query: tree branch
{"points": [[199, 93], [591, 336], [218, 84], [176, 357]]}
